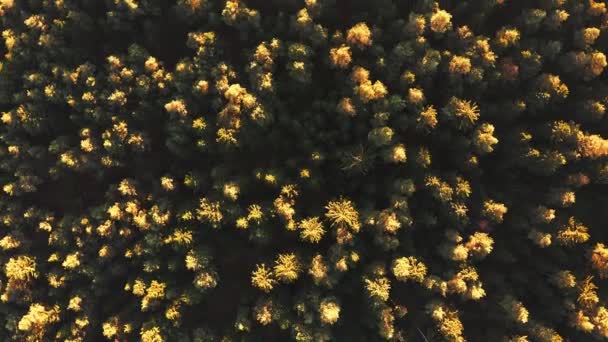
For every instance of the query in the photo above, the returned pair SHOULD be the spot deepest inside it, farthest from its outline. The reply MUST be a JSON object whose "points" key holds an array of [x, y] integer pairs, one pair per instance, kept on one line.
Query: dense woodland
{"points": [[303, 170]]}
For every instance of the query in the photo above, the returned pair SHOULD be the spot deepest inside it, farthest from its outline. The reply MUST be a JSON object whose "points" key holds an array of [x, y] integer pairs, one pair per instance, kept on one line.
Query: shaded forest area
{"points": [[310, 170]]}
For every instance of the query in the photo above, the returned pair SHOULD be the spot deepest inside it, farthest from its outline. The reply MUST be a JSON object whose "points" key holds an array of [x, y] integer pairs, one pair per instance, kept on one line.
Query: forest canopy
{"points": [[303, 170]]}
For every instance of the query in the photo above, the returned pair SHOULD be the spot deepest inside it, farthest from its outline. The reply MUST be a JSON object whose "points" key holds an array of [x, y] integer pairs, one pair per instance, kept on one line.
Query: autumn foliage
{"points": [[306, 170]]}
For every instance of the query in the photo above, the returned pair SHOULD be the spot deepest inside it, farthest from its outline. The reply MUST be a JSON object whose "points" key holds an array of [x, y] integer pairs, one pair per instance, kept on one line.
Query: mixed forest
{"points": [[303, 170]]}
